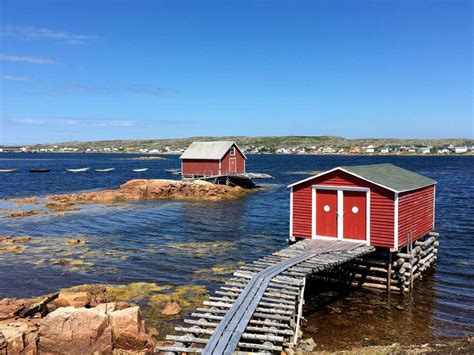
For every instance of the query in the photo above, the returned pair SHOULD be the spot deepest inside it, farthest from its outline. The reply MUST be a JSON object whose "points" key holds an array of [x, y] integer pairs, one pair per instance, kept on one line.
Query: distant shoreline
{"points": [[471, 153]]}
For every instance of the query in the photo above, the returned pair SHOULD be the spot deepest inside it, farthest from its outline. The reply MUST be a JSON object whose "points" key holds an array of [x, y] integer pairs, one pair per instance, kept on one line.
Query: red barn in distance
{"points": [[380, 204], [212, 159]]}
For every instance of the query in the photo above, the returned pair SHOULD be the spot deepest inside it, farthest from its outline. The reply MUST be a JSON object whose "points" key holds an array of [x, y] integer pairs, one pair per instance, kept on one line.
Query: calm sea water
{"points": [[143, 241]]}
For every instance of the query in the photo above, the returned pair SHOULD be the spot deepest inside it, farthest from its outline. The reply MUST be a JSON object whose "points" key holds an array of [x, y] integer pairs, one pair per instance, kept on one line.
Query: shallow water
{"points": [[179, 242]]}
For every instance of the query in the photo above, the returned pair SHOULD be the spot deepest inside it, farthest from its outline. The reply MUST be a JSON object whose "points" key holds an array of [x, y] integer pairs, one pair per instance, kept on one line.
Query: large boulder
{"points": [[75, 330], [74, 299], [107, 308], [128, 329]]}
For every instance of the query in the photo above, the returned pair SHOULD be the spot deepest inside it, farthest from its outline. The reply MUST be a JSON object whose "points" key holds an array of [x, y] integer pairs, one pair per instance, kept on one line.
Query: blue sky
{"points": [[90, 70]]}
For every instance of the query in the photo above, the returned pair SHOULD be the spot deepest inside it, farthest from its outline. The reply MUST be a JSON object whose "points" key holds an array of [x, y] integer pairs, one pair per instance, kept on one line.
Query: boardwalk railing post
{"points": [[300, 311]]}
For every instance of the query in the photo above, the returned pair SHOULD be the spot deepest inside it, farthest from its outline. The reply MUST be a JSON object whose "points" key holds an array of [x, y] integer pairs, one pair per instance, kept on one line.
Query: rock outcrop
{"points": [[128, 329], [19, 338], [73, 299], [143, 189], [79, 322], [82, 329]]}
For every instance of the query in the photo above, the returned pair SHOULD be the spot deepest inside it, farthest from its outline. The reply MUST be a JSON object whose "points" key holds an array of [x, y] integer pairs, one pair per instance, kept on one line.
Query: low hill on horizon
{"points": [[271, 142]]}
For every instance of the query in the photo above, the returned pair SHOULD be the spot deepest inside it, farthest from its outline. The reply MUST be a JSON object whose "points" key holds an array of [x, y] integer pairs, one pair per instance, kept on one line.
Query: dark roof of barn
{"points": [[208, 150], [386, 175], [390, 176]]}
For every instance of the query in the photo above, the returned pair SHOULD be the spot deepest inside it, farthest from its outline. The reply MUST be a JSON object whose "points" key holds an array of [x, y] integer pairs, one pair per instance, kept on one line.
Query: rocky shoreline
{"points": [[86, 322], [83, 322], [89, 319], [154, 189]]}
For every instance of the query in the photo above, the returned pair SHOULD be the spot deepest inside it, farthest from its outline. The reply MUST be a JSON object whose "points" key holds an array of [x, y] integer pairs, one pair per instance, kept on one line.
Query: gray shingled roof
{"points": [[207, 150], [390, 176]]}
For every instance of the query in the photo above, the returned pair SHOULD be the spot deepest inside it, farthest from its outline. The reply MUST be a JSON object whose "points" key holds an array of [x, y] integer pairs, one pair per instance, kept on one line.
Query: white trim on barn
{"points": [[240, 150], [220, 167], [357, 176], [434, 205], [396, 243], [367, 208], [340, 211], [235, 165], [214, 150], [291, 213], [313, 213]]}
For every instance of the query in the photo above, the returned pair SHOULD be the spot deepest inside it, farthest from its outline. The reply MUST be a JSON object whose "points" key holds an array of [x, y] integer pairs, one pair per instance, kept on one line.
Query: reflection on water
{"points": [[182, 243]]}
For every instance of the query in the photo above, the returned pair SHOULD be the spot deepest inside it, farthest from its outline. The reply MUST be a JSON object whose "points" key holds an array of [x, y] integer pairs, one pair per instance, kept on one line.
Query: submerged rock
{"points": [[12, 240], [12, 248], [306, 345], [75, 241], [18, 214], [171, 309], [59, 205], [27, 200]]}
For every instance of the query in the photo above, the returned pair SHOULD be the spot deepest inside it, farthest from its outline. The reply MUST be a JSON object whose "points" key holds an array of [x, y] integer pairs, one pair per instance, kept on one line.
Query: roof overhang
{"points": [[357, 176], [233, 143]]}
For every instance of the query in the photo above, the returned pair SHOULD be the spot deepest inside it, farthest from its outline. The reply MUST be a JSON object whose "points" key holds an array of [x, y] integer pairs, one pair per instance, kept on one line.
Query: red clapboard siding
{"points": [[239, 159], [415, 213], [302, 211], [382, 213], [200, 167]]}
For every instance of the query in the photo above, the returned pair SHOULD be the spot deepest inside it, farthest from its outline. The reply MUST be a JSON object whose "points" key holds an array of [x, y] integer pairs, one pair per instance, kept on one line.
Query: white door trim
{"points": [[395, 227], [340, 211], [291, 212], [235, 165]]}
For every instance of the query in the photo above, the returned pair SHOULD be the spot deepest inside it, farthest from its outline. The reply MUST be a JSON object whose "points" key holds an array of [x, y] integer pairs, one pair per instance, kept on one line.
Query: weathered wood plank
{"points": [[262, 298]]}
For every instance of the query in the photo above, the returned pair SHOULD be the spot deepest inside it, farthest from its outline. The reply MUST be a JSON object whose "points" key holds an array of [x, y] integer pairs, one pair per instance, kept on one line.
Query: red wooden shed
{"points": [[213, 158], [380, 204]]}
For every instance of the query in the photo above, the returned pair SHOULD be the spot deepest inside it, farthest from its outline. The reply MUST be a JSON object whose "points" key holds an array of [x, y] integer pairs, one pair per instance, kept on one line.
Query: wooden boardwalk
{"points": [[260, 308]]}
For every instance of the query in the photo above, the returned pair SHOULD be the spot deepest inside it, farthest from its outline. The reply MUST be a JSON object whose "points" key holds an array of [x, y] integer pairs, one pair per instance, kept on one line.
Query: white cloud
{"points": [[26, 59], [107, 90], [43, 122], [99, 122], [30, 32], [15, 77]]}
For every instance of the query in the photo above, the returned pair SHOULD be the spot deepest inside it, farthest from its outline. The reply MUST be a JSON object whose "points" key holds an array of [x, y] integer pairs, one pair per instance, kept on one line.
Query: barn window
{"points": [[327, 208], [355, 209], [232, 151]]}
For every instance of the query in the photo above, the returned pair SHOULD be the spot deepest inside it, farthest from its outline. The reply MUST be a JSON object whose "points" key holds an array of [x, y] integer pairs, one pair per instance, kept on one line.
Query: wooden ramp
{"points": [[260, 308]]}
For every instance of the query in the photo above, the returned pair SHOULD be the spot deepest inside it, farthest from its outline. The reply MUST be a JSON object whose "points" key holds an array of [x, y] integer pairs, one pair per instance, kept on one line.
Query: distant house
{"points": [[212, 158], [384, 150], [443, 151], [459, 150], [327, 150], [368, 148], [424, 150]]}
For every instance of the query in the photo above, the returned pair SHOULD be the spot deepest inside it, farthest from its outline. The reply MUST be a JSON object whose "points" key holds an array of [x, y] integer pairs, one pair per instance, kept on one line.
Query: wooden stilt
{"points": [[389, 271]]}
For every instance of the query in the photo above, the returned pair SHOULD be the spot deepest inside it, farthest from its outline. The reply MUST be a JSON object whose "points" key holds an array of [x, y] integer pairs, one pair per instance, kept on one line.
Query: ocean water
{"points": [[175, 242]]}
